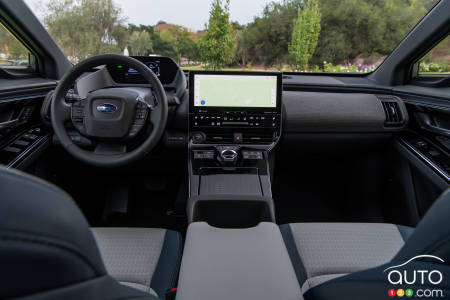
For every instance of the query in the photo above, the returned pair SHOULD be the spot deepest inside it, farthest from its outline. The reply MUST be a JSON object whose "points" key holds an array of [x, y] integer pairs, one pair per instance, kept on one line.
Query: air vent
{"points": [[220, 138], [394, 115], [258, 138]]}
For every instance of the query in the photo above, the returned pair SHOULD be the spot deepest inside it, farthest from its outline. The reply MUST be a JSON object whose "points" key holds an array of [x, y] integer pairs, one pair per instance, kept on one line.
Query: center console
{"points": [[232, 239], [234, 123]]}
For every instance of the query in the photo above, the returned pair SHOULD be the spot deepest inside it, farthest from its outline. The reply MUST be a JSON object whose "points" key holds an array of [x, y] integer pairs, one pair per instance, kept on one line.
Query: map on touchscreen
{"points": [[235, 90]]}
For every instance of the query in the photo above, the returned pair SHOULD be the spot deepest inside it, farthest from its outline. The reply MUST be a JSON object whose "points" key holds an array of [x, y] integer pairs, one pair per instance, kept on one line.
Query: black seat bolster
{"points": [[296, 260], [405, 231], [168, 267], [432, 235], [48, 251], [45, 241]]}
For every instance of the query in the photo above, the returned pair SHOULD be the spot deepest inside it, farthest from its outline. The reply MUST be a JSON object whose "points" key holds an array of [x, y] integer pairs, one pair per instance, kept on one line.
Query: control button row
{"points": [[204, 154], [244, 124], [257, 155], [26, 113], [203, 120], [201, 117], [78, 111], [141, 113], [30, 136]]}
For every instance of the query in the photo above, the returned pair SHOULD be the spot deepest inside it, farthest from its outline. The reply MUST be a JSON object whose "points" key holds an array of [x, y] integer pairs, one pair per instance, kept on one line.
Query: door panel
{"points": [[23, 137], [425, 146]]}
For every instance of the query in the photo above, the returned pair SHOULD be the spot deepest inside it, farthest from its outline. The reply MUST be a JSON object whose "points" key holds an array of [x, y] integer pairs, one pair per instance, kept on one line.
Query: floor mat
{"points": [[152, 200]]}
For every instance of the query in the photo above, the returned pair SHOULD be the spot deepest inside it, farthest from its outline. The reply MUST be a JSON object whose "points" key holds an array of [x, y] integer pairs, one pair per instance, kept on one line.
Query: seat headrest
{"points": [[432, 235], [45, 242]]}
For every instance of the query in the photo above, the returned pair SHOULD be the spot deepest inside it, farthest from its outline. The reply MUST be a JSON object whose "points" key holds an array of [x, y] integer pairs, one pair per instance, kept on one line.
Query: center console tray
{"points": [[231, 211]]}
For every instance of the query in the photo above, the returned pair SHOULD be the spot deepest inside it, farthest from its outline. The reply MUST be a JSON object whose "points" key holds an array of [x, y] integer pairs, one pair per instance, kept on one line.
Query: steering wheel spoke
{"points": [[105, 148], [78, 114], [64, 110], [155, 115]]}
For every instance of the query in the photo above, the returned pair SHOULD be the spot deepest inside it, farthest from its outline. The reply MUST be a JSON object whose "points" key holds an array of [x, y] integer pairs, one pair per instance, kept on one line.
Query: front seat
{"points": [[351, 260], [48, 251]]}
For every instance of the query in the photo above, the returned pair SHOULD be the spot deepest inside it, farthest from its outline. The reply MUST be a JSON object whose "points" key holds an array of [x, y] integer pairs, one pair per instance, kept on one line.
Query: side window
{"points": [[437, 61], [12, 53]]}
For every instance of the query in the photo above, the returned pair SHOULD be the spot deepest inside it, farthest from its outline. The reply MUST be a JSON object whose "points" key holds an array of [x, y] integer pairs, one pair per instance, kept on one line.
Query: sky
{"points": [[192, 14]]}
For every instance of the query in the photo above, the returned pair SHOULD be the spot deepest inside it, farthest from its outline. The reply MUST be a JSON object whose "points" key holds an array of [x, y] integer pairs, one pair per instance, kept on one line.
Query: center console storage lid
{"points": [[250, 263]]}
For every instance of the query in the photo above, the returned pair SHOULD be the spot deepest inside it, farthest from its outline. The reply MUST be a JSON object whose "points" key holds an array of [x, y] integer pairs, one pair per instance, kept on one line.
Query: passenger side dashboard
{"points": [[317, 112]]}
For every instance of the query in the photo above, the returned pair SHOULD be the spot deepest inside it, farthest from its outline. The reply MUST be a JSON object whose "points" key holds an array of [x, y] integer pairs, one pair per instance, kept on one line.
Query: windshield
{"points": [[290, 35]]}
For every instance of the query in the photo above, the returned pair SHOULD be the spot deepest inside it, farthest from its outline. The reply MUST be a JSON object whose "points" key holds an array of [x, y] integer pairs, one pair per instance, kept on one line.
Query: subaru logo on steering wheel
{"points": [[107, 108]]}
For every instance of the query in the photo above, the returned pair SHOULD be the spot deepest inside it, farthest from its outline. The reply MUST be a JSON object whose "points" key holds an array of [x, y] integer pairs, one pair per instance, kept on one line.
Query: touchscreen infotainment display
{"points": [[230, 90]]}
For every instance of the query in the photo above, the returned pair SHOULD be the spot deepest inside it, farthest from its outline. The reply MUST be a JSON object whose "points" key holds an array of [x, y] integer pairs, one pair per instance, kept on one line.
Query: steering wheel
{"points": [[110, 117]]}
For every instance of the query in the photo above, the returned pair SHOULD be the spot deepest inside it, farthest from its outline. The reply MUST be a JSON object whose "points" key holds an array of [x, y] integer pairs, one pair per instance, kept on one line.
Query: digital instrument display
{"points": [[154, 66], [235, 90], [163, 67]]}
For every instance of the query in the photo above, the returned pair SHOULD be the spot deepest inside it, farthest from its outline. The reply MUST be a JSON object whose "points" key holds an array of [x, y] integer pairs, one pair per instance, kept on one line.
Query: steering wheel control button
{"points": [[71, 97], [141, 112], [78, 111], [134, 130]]}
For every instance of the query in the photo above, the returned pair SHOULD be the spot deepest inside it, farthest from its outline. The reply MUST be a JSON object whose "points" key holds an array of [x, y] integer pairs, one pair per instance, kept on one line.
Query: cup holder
{"points": [[233, 213]]}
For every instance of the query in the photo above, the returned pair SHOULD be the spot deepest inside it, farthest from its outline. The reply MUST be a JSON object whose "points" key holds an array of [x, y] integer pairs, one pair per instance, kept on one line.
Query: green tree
{"points": [[162, 47], [140, 43], [158, 45], [352, 28], [83, 28], [190, 50], [141, 28], [217, 46], [182, 44], [305, 34], [11, 48], [266, 39]]}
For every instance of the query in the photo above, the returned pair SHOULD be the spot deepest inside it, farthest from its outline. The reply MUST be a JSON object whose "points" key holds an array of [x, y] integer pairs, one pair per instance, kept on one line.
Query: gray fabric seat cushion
{"points": [[324, 251], [131, 255]]}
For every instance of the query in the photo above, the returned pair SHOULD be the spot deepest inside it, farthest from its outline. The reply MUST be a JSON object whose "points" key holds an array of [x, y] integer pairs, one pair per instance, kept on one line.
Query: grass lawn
{"points": [[433, 73]]}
